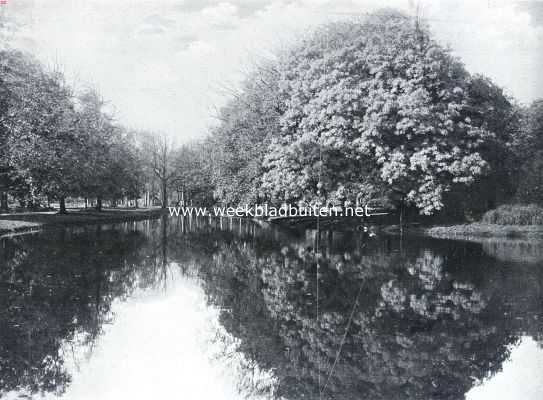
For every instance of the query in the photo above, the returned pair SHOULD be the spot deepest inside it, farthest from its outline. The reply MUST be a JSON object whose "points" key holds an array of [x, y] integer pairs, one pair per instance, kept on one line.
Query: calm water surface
{"points": [[211, 309]]}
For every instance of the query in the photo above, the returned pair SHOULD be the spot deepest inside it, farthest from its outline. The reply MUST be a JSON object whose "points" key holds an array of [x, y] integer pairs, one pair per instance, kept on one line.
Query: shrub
{"points": [[515, 214]]}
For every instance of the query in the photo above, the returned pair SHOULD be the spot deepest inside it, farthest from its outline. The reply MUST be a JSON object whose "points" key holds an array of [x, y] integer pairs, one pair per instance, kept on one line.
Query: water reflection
{"points": [[520, 377], [167, 307], [161, 345]]}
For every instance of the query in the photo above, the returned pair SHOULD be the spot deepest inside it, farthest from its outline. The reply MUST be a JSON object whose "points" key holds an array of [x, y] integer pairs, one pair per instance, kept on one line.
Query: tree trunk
{"points": [[62, 205], [86, 203], [4, 201], [401, 216], [98, 204], [164, 241], [164, 194]]}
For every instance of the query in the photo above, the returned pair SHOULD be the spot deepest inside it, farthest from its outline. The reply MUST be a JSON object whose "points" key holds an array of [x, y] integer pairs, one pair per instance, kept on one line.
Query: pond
{"points": [[230, 309]]}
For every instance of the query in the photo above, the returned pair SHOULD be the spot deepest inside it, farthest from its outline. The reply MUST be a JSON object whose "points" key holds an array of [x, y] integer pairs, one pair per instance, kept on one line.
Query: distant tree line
{"points": [[58, 143]]}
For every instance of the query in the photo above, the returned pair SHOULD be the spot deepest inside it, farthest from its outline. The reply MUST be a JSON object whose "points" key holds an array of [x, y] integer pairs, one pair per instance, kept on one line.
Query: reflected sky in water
{"points": [[521, 377], [210, 309], [163, 344]]}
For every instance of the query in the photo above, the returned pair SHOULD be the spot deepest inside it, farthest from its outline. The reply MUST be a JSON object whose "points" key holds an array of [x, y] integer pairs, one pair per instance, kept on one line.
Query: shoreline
{"points": [[480, 230], [20, 223], [28, 222]]}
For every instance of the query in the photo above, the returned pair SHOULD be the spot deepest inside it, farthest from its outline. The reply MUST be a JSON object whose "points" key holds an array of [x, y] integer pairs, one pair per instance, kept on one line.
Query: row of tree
{"points": [[58, 143], [55, 143]]}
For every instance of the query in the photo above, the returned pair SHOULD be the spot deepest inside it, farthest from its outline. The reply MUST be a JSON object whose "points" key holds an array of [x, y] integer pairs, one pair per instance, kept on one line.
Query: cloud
{"points": [[151, 30], [199, 48], [188, 43], [535, 9], [183, 42], [158, 20], [14, 18], [223, 16], [18, 6], [154, 25], [244, 8], [191, 6], [251, 7]]}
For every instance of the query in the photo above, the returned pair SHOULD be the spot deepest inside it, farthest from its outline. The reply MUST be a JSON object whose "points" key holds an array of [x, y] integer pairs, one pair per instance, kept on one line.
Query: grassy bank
{"points": [[479, 229], [514, 214], [29, 221], [506, 221]]}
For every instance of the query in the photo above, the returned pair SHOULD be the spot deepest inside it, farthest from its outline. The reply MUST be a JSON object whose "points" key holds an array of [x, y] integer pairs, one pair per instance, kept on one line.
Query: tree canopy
{"points": [[371, 109], [57, 143]]}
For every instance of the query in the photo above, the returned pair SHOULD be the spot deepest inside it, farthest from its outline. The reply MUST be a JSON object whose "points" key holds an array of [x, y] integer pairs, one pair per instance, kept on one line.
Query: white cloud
{"points": [[220, 16]]}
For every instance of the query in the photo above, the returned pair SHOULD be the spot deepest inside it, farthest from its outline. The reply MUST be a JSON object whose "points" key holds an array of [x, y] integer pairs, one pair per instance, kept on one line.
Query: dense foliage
{"points": [[530, 182], [55, 143], [241, 140], [374, 110], [370, 110], [381, 94]]}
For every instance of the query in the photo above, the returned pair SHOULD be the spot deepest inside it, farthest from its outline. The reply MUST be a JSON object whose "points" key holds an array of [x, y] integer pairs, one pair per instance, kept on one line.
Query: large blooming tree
{"points": [[375, 107]]}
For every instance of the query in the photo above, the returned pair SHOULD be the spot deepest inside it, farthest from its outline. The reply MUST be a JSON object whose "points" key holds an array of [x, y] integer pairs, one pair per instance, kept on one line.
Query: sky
{"points": [[168, 65]]}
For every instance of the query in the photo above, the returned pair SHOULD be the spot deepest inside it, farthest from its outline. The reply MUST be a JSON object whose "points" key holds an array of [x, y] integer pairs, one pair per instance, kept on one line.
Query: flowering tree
{"points": [[375, 107], [241, 141]]}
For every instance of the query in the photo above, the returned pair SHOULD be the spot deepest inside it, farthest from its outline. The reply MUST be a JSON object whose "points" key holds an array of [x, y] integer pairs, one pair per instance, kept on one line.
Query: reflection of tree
{"points": [[514, 250], [428, 323], [57, 286]]}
